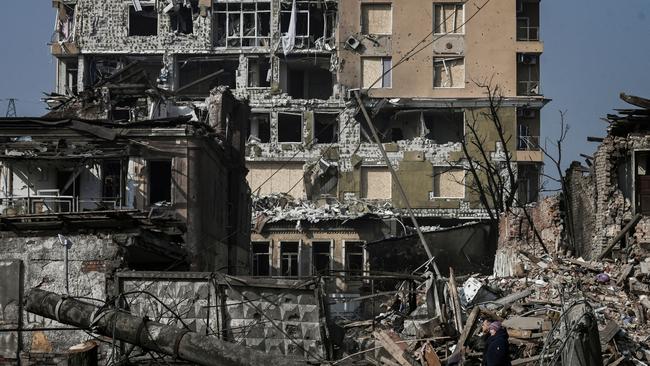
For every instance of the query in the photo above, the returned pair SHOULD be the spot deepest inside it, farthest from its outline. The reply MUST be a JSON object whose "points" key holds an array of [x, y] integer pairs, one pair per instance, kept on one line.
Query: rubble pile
{"points": [[556, 311], [279, 207]]}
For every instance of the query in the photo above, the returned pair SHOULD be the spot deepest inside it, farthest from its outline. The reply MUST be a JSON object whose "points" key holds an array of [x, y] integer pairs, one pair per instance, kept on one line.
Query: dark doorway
{"points": [[160, 181]]}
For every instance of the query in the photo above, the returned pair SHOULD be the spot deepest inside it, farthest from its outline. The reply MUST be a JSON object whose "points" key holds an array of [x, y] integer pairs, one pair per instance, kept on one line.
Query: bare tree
{"points": [[494, 176]]}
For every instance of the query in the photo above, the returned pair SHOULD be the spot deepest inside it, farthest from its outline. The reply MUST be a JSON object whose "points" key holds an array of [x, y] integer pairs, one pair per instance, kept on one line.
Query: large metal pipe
{"points": [[170, 340]]}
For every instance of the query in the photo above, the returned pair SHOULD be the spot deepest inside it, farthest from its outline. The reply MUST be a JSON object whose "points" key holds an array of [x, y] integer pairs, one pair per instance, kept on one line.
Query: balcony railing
{"points": [[528, 87], [528, 143], [526, 33], [50, 204]]}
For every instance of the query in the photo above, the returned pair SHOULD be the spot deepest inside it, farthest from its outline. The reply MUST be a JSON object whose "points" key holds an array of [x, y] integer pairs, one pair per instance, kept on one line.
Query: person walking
{"points": [[497, 352]]}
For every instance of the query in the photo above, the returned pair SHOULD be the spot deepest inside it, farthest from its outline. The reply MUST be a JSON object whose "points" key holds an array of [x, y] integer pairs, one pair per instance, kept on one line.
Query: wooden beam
{"points": [[207, 77], [455, 301], [620, 236], [637, 101], [595, 139]]}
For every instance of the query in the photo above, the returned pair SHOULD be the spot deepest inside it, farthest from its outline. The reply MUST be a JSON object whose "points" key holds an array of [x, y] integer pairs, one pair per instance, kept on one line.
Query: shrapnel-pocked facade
{"points": [[422, 68]]}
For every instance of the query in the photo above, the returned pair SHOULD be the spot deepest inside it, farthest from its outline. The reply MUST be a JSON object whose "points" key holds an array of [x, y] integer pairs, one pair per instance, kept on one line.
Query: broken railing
{"points": [[528, 143], [46, 204]]}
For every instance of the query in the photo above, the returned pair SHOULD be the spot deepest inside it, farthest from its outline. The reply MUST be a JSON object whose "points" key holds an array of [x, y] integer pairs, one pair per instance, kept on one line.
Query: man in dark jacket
{"points": [[497, 352]]}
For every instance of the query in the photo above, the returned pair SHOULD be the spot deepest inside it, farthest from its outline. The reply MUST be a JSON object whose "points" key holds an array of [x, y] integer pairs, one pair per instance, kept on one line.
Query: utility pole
{"points": [[11, 108]]}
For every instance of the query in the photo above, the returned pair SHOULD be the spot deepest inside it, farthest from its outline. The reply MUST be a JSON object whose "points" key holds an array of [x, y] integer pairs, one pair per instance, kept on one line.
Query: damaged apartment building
{"points": [[312, 164]]}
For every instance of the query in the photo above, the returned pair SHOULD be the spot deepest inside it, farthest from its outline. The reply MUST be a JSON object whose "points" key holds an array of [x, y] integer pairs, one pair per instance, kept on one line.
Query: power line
{"points": [[285, 163], [407, 56]]}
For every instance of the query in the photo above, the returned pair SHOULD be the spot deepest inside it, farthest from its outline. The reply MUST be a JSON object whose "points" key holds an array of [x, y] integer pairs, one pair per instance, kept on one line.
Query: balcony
{"points": [[525, 32], [528, 149], [50, 202], [528, 88]]}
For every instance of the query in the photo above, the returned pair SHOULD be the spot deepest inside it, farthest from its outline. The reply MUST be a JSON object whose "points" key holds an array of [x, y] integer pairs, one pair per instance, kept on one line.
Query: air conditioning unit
{"points": [[353, 43], [528, 59]]}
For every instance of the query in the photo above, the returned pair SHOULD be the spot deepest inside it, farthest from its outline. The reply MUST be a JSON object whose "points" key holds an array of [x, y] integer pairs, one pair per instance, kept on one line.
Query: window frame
{"points": [[448, 168], [344, 261], [270, 254], [361, 23], [448, 58], [143, 4], [298, 259], [384, 73], [331, 254], [257, 38], [462, 5]]}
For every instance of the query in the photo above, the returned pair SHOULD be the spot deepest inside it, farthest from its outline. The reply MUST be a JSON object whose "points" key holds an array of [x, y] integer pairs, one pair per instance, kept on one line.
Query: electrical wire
{"points": [[407, 56]]}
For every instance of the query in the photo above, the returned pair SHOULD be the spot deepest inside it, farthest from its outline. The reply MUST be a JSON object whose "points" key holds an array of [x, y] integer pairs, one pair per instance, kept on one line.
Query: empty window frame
{"points": [[197, 75], [260, 127], [449, 72], [289, 127], [315, 21], [376, 72], [289, 258], [261, 258], [321, 257], [448, 182], [143, 22], [242, 24], [448, 18], [307, 77], [376, 19], [444, 126], [160, 181], [355, 258], [326, 128], [259, 72]]}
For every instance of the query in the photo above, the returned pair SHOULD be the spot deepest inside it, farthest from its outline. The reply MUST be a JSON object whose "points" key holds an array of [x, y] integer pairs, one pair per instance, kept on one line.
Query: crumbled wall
{"points": [[516, 234]]}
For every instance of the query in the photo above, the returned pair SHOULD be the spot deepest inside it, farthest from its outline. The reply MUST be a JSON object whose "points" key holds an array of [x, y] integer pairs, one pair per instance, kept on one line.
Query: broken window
{"points": [[448, 18], [242, 24], [527, 129], [259, 72], [376, 183], [315, 22], [289, 127], [326, 128], [527, 183], [181, 19], [376, 72], [67, 76], [393, 127], [449, 72], [321, 257], [160, 181], [527, 20], [143, 22], [376, 19], [289, 254], [448, 182], [200, 74], [260, 127], [65, 23], [111, 179], [444, 125], [307, 77], [261, 261], [528, 74], [354, 256], [321, 179], [642, 182]]}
